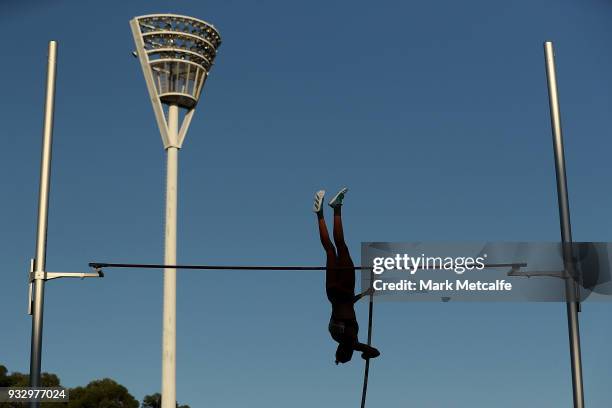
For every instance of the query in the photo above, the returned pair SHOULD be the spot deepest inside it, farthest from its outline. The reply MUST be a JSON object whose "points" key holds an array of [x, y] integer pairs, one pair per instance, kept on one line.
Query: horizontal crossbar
{"points": [[99, 265]]}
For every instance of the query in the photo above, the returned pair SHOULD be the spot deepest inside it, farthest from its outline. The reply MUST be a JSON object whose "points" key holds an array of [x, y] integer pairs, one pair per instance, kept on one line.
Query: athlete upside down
{"points": [[340, 284]]}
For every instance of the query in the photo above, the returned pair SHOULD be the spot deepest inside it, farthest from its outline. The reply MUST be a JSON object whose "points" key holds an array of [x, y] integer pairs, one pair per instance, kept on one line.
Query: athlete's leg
{"points": [[330, 251], [339, 231], [344, 256], [343, 252]]}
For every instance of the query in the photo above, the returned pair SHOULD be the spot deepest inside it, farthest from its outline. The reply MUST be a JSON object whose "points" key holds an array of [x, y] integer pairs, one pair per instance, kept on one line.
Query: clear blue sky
{"points": [[434, 113]]}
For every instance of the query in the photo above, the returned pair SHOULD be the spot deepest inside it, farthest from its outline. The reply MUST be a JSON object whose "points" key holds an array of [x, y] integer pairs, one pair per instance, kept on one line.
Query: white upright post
{"points": [[169, 323], [41, 231], [38, 267], [571, 289]]}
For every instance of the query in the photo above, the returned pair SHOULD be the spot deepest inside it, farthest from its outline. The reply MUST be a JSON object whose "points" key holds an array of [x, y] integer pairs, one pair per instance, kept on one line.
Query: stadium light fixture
{"points": [[176, 54]]}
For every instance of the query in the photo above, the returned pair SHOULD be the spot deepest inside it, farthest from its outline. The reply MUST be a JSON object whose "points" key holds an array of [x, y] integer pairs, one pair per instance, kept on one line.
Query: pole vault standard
{"points": [[37, 282], [566, 228], [38, 274], [176, 54]]}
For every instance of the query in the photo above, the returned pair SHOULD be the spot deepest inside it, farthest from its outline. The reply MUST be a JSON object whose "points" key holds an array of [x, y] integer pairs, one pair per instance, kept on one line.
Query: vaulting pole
{"points": [[366, 373], [566, 229], [41, 232]]}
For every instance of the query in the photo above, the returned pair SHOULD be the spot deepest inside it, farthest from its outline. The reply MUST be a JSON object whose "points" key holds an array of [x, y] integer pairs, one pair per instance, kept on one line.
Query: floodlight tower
{"points": [[176, 54]]}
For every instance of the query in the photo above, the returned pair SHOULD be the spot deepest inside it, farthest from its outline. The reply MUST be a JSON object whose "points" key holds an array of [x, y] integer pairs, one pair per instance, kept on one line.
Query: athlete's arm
{"points": [[367, 292]]}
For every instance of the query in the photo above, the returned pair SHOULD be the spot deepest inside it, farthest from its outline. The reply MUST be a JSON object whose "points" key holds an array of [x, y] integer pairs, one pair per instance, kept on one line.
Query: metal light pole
{"points": [[176, 54], [38, 272], [566, 229]]}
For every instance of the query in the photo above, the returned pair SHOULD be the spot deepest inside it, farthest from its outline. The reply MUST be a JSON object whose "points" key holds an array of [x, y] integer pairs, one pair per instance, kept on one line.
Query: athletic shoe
{"points": [[337, 200], [318, 201]]}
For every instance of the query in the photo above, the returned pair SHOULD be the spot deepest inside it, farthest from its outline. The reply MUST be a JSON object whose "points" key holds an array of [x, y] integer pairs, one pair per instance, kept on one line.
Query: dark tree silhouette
{"points": [[17, 379], [154, 401], [105, 393]]}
